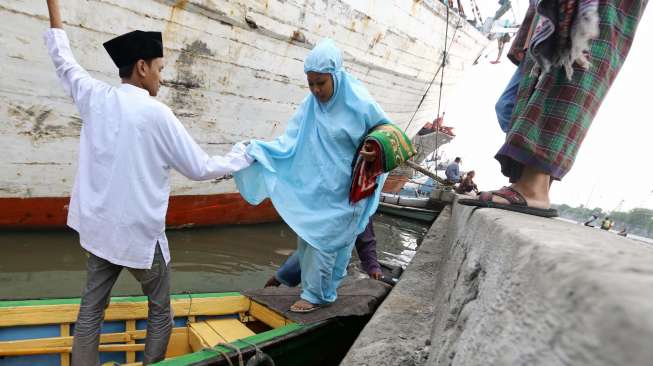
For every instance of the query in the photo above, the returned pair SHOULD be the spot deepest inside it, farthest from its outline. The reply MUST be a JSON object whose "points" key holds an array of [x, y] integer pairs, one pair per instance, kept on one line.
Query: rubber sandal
{"points": [[311, 309], [516, 203]]}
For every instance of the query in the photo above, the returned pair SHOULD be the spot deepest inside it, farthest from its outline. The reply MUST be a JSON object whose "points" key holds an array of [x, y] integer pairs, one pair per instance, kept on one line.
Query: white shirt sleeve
{"points": [[75, 80], [184, 155]]}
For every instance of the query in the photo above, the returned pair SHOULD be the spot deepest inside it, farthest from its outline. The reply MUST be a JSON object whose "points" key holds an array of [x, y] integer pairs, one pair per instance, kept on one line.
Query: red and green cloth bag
{"points": [[391, 146]]}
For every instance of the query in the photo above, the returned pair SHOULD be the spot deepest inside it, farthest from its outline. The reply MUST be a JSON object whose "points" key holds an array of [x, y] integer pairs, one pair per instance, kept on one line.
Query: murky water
{"points": [[47, 264]]}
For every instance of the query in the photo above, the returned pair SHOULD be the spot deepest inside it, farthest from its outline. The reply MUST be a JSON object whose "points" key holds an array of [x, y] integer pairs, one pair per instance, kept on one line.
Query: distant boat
{"points": [[38, 332], [421, 208]]}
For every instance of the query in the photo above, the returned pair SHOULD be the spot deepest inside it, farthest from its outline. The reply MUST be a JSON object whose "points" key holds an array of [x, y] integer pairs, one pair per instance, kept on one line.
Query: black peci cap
{"points": [[133, 46]]}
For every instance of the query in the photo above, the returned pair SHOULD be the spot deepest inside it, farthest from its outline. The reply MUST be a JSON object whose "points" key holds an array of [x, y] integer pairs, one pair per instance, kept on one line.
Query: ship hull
{"points": [[183, 211], [234, 72]]}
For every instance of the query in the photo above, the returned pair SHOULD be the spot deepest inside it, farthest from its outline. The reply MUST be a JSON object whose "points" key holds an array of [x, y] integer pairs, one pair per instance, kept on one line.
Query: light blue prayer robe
{"points": [[306, 172]]}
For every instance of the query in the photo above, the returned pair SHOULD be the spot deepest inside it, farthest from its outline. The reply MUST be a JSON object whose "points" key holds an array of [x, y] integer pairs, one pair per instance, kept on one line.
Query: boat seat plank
{"points": [[117, 310], [230, 329], [177, 345], [208, 336], [268, 316]]}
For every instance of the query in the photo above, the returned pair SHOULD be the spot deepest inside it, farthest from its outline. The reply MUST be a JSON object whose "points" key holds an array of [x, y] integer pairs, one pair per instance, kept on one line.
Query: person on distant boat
{"points": [[607, 224], [575, 53], [467, 185], [307, 173], [590, 220], [290, 271], [453, 171], [129, 142], [501, 42]]}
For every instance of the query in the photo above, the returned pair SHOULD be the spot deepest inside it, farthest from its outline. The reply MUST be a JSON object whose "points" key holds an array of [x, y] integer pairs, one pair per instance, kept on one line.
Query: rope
{"points": [[222, 353], [260, 358], [444, 64], [251, 344], [440, 68], [432, 80], [233, 347], [441, 72], [190, 306], [477, 11]]}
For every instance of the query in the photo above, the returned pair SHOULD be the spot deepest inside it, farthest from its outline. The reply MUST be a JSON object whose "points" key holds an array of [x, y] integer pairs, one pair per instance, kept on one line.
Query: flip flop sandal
{"points": [[516, 203], [311, 309]]}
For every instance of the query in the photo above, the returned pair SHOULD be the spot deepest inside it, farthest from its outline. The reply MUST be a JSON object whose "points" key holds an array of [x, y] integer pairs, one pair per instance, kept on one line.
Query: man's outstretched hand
{"points": [[55, 16]]}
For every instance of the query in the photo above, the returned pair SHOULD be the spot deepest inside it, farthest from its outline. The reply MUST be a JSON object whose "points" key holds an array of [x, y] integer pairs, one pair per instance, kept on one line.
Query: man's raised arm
{"points": [[55, 15], [75, 80]]}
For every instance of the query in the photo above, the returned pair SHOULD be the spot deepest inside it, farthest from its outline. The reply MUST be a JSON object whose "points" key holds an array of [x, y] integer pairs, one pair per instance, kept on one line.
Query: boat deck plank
{"points": [[230, 329], [209, 337]]}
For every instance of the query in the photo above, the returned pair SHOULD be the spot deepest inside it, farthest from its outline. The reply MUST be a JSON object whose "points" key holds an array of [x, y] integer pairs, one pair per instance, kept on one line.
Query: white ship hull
{"points": [[234, 71]]}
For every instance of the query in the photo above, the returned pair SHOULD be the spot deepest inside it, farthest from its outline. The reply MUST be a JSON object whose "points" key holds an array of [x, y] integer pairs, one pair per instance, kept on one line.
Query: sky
{"points": [[613, 169]]}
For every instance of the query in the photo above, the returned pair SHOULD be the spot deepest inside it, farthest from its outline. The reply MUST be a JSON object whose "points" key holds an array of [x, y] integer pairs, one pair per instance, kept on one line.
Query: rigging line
{"points": [[441, 119], [442, 64], [480, 17]]}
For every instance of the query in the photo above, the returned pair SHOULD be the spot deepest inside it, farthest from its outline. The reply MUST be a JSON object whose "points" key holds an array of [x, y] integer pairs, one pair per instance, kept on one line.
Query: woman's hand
{"points": [[376, 275], [367, 153]]}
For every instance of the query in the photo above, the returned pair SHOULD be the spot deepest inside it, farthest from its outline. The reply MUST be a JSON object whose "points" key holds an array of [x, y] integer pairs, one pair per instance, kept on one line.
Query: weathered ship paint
{"points": [[234, 71], [183, 211]]}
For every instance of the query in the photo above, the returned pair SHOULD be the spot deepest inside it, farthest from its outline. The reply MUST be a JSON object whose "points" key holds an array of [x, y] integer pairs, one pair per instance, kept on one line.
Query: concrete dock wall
{"points": [[490, 287]]}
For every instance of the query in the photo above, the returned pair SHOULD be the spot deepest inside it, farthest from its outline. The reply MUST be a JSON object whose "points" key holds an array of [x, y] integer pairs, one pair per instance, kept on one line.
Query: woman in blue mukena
{"points": [[306, 172]]}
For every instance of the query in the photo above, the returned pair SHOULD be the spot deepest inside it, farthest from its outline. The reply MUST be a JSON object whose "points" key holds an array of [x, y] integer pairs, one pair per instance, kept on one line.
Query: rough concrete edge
{"points": [[400, 330], [516, 289]]}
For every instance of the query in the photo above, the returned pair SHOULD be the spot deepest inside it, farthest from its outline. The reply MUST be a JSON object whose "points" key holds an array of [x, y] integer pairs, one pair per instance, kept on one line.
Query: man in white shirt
{"points": [[128, 143]]}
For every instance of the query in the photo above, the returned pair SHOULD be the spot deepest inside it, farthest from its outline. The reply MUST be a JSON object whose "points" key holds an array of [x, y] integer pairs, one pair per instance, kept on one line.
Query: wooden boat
{"points": [[38, 332]]}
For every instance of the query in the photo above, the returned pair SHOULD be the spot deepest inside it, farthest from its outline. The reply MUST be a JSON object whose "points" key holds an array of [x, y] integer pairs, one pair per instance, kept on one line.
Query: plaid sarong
{"points": [[391, 146], [552, 113]]}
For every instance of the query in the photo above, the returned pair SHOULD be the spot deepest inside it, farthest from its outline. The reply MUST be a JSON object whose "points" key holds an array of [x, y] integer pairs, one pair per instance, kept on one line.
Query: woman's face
{"points": [[321, 85]]}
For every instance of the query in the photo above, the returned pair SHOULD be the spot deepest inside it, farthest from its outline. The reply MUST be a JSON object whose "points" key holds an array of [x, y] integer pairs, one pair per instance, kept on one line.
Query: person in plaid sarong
{"points": [[574, 55]]}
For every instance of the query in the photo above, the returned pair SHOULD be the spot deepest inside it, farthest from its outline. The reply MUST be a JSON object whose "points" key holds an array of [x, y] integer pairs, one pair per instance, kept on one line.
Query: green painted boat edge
{"points": [[190, 358], [256, 339], [118, 299], [414, 213]]}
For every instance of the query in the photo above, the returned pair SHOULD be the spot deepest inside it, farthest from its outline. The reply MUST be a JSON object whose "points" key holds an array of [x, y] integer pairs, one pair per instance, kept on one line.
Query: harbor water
{"points": [[51, 264]]}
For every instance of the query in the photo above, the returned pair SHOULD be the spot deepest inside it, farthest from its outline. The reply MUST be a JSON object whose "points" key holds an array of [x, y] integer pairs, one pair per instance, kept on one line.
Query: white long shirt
{"points": [[128, 144]]}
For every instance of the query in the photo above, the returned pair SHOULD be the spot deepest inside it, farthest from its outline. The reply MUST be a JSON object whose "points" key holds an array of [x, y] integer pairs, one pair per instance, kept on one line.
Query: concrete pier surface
{"points": [[491, 287]]}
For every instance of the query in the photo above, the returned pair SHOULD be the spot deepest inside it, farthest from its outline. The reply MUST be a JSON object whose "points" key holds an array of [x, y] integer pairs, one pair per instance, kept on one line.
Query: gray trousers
{"points": [[101, 276]]}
